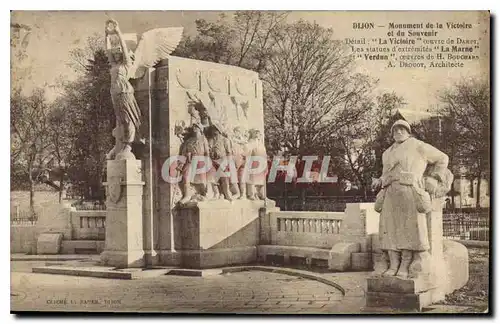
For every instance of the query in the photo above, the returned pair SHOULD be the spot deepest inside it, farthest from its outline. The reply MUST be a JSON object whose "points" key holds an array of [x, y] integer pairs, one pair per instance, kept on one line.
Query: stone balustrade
{"points": [[88, 224], [313, 229], [341, 238], [308, 224]]}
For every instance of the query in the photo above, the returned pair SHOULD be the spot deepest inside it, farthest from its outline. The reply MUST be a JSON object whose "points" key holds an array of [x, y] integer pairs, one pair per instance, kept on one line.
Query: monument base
{"points": [[123, 259], [123, 245], [404, 294], [216, 233], [205, 259]]}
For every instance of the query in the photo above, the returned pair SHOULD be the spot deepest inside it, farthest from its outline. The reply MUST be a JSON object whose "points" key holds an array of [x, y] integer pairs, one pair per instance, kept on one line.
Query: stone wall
{"points": [[23, 239]]}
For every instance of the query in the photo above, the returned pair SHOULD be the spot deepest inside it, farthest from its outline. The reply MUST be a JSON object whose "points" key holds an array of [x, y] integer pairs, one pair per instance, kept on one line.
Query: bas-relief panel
{"points": [[232, 94], [230, 97]]}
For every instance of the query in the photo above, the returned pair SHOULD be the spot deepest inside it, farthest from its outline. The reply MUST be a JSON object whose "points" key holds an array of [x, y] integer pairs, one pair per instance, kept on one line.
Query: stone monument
{"points": [[413, 266], [185, 108], [124, 185]]}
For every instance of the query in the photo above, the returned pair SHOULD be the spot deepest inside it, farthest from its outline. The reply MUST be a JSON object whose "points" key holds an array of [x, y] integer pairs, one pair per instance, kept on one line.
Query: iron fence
{"points": [[467, 226], [23, 217]]}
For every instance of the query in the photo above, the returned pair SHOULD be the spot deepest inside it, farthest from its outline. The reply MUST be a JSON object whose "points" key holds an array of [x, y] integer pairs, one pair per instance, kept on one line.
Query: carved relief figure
{"points": [[256, 184], [404, 199], [153, 46], [198, 110], [220, 148], [239, 145], [195, 144], [243, 106]]}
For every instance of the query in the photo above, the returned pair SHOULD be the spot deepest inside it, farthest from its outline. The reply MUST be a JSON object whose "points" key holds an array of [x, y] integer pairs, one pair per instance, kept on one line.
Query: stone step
{"points": [[82, 247], [97, 272], [101, 272], [358, 261]]}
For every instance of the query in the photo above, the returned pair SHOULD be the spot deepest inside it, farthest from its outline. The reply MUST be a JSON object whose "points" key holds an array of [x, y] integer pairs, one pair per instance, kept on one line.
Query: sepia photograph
{"points": [[250, 162]]}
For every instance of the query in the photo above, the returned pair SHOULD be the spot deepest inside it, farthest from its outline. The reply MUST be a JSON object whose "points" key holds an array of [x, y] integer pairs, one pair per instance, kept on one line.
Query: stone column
{"points": [[144, 94], [163, 124], [124, 224]]}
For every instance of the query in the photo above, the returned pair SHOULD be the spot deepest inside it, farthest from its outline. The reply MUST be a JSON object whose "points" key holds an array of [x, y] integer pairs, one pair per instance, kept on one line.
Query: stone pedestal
{"points": [[397, 293], [414, 294], [215, 233], [124, 241]]}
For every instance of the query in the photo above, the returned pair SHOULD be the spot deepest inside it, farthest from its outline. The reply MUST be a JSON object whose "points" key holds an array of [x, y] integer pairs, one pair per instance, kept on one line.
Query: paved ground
{"points": [[240, 292]]}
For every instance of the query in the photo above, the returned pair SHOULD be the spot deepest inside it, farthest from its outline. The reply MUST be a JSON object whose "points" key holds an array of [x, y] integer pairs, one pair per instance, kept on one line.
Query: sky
{"points": [[55, 33]]}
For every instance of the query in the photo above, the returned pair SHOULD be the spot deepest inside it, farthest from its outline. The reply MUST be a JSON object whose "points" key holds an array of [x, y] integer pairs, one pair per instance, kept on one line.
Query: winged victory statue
{"points": [[153, 46]]}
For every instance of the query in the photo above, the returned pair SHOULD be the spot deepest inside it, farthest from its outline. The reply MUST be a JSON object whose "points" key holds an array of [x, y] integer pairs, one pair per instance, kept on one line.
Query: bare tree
{"points": [[309, 88], [351, 147], [62, 136], [80, 56], [467, 106], [255, 31], [30, 144], [245, 39], [386, 107]]}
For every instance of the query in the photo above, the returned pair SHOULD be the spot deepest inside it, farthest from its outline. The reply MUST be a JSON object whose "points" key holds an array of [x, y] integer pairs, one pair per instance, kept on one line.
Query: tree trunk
{"points": [[302, 198], [32, 199], [478, 191], [61, 189], [453, 196]]}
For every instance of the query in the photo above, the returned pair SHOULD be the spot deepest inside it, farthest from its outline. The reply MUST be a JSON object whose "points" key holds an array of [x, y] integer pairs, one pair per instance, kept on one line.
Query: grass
{"points": [[476, 292]]}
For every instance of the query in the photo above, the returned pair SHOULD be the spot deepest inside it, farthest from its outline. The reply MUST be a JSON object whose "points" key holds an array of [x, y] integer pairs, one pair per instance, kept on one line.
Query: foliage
{"points": [[80, 56], [358, 146], [244, 41], [89, 121], [467, 107], [462, 129]]}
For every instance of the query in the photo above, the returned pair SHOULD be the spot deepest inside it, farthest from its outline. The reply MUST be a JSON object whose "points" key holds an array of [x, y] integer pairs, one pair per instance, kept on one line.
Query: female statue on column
{"points": [[127, 112], [405, 198], [154, 46]]}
